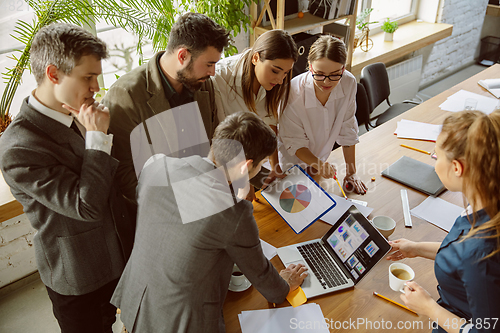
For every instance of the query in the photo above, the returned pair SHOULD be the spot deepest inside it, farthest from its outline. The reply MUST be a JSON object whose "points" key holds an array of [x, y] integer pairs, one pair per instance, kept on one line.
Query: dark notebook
{"points": [[415, 174]]}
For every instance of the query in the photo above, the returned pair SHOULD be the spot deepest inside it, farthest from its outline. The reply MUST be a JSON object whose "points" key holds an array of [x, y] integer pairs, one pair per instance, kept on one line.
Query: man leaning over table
{"points": [[193, 225], [170, 79], [55, 156]]}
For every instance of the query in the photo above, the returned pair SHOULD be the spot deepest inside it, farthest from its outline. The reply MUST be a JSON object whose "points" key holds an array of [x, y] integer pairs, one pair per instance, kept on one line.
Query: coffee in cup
{"points": [[237, 277], [399, 274]]}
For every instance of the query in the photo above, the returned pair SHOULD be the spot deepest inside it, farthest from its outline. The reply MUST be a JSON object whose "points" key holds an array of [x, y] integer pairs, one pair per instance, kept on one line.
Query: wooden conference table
{"points": [[376, 150]]}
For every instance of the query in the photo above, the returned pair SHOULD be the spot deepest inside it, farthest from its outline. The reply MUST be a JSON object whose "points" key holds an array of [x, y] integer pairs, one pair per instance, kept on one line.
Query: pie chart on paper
{"points": [[295, 198]]}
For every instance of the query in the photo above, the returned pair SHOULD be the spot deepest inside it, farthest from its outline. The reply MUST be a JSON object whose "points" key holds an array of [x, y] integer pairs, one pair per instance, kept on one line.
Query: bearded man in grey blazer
{"points": [[55, 156], [170, 79], [193, 225]]}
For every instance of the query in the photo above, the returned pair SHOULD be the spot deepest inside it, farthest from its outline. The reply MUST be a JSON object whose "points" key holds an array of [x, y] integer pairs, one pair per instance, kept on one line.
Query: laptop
{"points": [[341, 258]]}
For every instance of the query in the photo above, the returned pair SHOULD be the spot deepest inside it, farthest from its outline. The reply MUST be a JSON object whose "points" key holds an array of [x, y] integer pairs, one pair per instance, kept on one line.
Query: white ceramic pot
{"points": [[388, 36]]}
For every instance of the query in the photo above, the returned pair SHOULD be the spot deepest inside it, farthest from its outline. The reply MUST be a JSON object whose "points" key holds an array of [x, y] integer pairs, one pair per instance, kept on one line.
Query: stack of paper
{"points": [[456, 102], [342, 206], [268, 249], [438, 212], [492, 85], [409, 129], [305, 318]]}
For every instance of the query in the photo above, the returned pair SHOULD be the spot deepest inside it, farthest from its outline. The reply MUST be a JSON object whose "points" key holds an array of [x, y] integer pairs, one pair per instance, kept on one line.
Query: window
{"points": [[397, 10]]}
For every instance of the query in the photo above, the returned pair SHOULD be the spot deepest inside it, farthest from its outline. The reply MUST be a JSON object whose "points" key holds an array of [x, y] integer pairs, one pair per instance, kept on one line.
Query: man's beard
{"points": [[185, 76]]}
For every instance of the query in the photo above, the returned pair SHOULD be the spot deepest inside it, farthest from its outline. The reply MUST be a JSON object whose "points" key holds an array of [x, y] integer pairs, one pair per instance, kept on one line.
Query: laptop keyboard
{"points": [[321, 265]]}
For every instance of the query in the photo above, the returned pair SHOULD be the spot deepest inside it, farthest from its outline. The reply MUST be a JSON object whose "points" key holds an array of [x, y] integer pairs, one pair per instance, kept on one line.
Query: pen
{"points": [[345, 196], [420, 150], [393, 302]]}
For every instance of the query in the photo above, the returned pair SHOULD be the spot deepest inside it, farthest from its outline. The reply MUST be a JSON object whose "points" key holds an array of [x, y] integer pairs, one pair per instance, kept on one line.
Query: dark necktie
{"points": [[76, 129]]}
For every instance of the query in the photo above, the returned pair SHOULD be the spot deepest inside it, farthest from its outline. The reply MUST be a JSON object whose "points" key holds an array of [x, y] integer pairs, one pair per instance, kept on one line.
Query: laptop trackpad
{"points": [[307, 280]]}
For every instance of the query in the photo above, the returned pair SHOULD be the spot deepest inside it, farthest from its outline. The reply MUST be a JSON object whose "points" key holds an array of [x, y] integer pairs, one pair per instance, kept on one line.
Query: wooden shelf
{"points": [[408, 38], [297, 25], [493, 10]]}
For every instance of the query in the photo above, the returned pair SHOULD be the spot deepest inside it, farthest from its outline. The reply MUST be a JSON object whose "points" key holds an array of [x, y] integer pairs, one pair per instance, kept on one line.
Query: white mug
{"points": [[237, 277], [399, 274], [384, 224]]}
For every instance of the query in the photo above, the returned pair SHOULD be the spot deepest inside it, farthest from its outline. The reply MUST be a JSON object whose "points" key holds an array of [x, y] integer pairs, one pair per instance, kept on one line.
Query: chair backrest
{"points": [[362, 106], [376, 82]]}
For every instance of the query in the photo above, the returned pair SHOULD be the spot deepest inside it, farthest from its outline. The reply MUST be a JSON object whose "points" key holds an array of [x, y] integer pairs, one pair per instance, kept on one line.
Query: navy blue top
{"points": [[469, 287]]}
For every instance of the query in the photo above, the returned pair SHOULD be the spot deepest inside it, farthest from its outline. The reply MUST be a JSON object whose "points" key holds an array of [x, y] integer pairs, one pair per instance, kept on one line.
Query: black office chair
{"points": [[362, 107], [376, 82]]}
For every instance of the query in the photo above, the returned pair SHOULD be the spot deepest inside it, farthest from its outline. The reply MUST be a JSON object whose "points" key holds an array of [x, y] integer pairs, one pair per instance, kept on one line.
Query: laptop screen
{"points": [[356, 243]]}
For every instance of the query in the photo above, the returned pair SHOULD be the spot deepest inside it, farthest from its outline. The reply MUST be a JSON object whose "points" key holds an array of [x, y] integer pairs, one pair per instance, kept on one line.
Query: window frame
{"points": [[376, 27]]}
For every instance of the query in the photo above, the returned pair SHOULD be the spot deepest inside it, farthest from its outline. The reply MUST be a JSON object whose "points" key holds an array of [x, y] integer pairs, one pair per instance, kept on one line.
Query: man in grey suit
{"points": [[55, 156], [170, 79], [193, 225]]}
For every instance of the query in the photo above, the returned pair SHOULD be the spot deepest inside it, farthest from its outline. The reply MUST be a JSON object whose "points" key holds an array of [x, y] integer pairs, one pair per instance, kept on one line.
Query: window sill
{"points": [[9, 207], [408, 38]]}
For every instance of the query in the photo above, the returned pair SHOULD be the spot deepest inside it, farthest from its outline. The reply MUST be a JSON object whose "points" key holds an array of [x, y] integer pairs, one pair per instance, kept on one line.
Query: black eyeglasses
{"points": [[322, 77]]}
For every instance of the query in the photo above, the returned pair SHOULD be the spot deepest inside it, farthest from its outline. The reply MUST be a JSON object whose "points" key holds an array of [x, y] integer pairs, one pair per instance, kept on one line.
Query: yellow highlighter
{"points": [[296, 297]]}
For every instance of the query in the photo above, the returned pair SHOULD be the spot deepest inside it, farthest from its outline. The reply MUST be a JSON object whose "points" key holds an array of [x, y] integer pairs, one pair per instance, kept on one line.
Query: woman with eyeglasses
{"points": [[321, 111]]}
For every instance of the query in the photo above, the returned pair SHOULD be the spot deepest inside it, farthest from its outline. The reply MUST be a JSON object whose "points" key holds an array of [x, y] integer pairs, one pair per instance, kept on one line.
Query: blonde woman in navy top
{"points": [[467, 262]]}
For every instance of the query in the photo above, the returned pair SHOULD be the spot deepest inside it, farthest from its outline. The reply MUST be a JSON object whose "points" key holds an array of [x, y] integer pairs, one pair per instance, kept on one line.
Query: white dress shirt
{"points": [[305, 122], [229, 93], [93, 139]]}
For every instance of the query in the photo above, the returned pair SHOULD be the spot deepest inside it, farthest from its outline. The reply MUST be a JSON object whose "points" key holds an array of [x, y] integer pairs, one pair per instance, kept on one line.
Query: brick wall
{"points": [[460, 49], [17, 254]]}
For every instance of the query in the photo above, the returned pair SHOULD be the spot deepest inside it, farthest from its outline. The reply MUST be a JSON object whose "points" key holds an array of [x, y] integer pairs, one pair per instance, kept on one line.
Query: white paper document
{"points": [[268, 249], [306, 318], [298, 199], [342, 206], [409, 129], [456, 102], [438, 212], [492, 85]]}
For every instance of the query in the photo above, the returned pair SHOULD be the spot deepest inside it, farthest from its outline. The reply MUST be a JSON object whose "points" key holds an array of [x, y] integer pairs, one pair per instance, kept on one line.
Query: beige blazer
{"points": [[137, 96]]}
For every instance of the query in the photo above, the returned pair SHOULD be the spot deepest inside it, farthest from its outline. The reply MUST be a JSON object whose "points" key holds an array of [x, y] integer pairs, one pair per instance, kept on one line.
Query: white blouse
{"points": [[305, 122], [230, 100]]}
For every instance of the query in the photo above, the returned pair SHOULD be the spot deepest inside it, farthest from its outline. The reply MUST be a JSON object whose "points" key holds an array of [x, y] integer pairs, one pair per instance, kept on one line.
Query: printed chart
{"points": [[295, 198]]}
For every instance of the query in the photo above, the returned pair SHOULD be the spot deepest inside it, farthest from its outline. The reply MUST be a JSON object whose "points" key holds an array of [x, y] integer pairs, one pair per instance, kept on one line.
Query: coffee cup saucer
{"points": [[242, 287]]}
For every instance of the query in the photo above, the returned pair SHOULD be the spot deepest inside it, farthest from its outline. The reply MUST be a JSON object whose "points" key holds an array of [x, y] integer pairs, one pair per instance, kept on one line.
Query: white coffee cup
{"points": [[399, 274], [384, 224], [237, 277]]}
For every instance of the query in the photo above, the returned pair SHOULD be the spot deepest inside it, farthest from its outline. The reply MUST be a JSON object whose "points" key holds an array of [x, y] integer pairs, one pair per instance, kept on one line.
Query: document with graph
{"points": [[298, 199]]}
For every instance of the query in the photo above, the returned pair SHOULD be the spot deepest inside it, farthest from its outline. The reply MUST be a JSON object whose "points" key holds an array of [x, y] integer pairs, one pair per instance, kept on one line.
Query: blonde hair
{"points": [[473, 137], [274, 44]]}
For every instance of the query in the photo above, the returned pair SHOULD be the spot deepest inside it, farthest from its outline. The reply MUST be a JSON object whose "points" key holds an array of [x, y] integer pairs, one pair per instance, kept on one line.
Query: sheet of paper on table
{"points": [[281, 320], [409, 129], [268, 249], [342, 206], [438, 212], [456, 102]]}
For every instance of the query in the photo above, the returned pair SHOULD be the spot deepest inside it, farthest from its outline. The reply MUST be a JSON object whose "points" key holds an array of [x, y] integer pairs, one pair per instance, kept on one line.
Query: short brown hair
{"points": [[63, 45], [196, 32], [328, 47], [243, 130]]}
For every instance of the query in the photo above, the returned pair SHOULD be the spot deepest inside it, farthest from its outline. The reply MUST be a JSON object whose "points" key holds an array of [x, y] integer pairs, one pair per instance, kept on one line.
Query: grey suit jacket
{"points": [[84, 234], [136, 97], [178, 274]]}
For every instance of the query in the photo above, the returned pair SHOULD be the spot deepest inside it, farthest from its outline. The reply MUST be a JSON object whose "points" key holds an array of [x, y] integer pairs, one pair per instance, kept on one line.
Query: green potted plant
{"points": [[389, 27], [149, 20]]}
